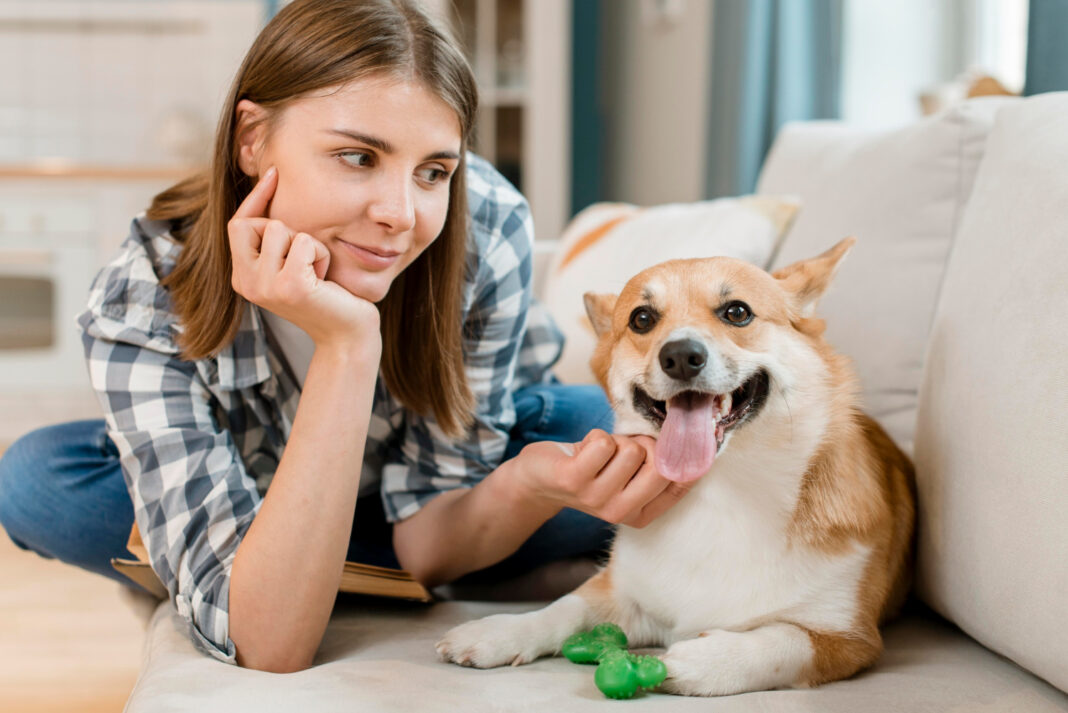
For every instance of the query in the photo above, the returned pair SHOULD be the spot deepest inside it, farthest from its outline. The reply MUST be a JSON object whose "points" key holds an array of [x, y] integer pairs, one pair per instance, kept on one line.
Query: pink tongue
{"points": [[687, 444]]}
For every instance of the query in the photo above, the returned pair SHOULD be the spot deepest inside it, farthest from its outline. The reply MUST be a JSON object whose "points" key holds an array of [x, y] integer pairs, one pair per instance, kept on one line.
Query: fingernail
{"points": [[269, 173]]}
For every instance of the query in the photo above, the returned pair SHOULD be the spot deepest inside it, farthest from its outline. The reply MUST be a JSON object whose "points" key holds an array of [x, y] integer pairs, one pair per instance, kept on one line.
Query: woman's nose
{"points": [[392, 204]]}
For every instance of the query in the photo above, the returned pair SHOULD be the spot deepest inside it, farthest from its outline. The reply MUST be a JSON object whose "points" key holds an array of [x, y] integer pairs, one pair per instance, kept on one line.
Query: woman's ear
{"points": [[250, 130]]}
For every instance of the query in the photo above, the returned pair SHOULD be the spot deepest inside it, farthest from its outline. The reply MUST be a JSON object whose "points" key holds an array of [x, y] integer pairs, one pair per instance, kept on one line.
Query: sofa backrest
{"points": [[901, 193], [992, 433]]}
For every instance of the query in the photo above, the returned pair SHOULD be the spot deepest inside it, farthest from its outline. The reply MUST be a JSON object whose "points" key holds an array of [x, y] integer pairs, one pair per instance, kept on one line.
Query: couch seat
{"points": [[379, 656]]}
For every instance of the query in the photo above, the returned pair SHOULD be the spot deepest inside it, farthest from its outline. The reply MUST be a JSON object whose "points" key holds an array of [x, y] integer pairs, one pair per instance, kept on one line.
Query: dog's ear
{"points": [[599, 310], [808, 279]]}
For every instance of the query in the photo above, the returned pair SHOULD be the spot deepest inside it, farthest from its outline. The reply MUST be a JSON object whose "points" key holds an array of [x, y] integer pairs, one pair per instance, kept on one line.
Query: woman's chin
{"points": [[370, 287]]}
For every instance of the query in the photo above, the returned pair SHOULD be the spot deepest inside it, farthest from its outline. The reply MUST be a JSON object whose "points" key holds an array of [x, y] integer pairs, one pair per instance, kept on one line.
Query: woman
{"points": [[339, 310]]}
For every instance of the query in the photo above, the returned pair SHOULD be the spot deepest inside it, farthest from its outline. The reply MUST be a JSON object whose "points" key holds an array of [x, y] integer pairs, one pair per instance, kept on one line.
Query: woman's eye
{"points": [[356, 158], [642, 320], [738, 313], [433, 175]]}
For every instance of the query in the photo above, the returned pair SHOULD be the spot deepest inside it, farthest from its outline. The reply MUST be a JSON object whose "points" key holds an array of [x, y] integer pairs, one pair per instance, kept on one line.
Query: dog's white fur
{"points": [[777, 567]]}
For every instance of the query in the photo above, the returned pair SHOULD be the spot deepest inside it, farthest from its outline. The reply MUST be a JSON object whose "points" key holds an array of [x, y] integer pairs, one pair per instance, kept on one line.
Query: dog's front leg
{"points": [[721, 662], [520, 638]]}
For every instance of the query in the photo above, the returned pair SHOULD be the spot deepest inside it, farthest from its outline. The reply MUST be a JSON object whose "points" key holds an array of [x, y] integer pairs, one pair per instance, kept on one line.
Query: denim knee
{"points": [[62, 495], [15, 485]]}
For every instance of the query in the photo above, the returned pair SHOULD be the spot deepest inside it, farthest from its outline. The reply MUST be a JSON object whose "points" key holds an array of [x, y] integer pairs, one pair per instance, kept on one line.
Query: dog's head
{"points": [[694, 351]]}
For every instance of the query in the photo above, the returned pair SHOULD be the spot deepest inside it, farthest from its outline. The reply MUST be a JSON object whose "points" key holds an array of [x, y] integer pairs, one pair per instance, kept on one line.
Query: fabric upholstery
{"points": [[992, 437], [900, 193], [379, 656]]}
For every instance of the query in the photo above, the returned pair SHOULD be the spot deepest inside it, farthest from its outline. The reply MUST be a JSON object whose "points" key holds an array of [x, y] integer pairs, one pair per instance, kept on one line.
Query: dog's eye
{"points": [[738, 313], [642, 320]]}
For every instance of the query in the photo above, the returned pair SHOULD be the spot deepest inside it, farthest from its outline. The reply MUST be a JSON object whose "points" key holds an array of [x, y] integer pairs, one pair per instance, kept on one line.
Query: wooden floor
{"points": [[69, 640]]}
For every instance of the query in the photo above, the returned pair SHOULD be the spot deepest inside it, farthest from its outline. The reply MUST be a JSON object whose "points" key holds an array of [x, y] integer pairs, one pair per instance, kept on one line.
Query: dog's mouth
{"points": [[693, 424]]}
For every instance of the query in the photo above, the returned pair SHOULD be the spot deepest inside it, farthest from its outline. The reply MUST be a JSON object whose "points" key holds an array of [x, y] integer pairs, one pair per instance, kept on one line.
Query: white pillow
{"points": [[608, 243], [901, 194], [992, 437]]}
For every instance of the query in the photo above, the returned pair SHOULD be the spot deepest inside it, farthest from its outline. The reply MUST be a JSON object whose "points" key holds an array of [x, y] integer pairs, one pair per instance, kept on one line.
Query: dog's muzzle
{"points": [[683, 359]]}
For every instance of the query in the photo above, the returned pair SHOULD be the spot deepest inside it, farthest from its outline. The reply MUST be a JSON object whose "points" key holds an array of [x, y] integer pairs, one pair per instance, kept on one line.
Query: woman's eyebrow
{"points": [[386, 147]]}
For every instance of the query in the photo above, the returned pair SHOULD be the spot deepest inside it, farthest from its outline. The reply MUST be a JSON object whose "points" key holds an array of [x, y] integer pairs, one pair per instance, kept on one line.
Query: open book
{"points": [[356, 579]]}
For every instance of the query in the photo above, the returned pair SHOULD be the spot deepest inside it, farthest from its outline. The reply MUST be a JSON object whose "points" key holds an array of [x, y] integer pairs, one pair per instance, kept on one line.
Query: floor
{"points": [[69, 640]]}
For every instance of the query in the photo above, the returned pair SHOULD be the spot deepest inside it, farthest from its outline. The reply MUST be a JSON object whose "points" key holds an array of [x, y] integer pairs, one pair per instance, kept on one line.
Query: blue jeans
{"points": [[63, 496]]}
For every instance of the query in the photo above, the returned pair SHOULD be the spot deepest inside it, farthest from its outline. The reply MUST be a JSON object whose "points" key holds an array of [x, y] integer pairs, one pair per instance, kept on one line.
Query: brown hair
{"points": [[308, 46]]}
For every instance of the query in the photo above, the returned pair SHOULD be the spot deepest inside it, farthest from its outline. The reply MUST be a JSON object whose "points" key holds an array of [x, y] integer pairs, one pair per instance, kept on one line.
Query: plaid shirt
{"points": [[199, 441]]}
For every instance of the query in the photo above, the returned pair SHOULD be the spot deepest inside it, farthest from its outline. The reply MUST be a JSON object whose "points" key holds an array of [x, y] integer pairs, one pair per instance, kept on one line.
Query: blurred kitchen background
{"points": [[103, 103]]}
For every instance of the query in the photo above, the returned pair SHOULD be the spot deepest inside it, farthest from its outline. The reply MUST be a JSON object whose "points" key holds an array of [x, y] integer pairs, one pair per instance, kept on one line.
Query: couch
{"points": [[954, 308]]}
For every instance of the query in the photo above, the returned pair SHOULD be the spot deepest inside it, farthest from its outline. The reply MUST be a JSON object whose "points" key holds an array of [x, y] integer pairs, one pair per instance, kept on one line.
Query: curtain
{"points": [[773, 61], [1047, 47]]}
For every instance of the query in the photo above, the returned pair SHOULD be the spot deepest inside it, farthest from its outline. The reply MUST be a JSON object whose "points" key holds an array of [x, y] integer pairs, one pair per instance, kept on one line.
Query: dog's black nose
{"points": [[683, 359]]}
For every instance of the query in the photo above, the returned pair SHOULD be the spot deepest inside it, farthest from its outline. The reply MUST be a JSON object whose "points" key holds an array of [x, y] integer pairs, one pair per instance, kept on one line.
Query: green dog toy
{"points": [[620, 673]]}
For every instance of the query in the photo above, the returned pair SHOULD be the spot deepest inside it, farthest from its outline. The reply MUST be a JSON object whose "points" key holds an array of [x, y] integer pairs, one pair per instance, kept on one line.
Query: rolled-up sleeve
{"points": [[193, 500], [426, 462]]}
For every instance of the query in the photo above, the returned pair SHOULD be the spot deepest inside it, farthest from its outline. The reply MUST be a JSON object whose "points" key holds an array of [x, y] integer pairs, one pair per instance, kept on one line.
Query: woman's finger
{"points": [[277, 238], [257, 200], [593, 453], [643, 489], [304, 252], [659, 505], [613, 478], [246, 237]]}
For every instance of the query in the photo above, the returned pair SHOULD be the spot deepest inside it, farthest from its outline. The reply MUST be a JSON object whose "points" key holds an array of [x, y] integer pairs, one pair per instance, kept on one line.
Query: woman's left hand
{"points": [[612, 477]]}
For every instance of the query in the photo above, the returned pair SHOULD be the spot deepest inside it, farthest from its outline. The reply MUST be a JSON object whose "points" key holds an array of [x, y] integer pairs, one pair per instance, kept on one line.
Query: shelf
{"points": [[67, 169]]}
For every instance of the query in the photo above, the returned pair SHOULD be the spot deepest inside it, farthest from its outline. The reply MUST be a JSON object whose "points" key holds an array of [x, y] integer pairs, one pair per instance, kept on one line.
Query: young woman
{"points": [[330, 331]]}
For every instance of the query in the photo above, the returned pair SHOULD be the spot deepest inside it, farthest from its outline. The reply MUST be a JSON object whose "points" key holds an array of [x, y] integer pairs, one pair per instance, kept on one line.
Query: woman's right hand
{"points": [[283, 271], [612, 477]]}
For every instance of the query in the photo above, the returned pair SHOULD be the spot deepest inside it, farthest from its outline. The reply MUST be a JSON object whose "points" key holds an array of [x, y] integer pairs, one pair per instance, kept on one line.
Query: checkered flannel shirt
{"points": [[199, 441]]}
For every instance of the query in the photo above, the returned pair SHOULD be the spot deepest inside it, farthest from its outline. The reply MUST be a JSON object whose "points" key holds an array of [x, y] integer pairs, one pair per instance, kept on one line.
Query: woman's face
{"points": [[365, 169]]}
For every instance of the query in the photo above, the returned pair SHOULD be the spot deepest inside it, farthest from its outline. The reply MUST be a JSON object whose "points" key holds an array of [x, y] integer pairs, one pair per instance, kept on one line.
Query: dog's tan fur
{"points": [[849, 505]]}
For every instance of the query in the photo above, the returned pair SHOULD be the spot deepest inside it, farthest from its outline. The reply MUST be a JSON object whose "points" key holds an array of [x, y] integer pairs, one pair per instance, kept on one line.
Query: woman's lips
{"points": [[371, 259]]}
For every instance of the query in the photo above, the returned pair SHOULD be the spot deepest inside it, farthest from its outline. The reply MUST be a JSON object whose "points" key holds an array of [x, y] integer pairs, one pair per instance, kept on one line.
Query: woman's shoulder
{"points": [[127, 301], [499, 213]]}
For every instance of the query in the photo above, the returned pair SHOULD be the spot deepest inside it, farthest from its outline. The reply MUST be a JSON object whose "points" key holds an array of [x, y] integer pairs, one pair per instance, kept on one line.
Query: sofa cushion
{"points": [[992, 437], [900, 192], [608, 243], [379, 656]]}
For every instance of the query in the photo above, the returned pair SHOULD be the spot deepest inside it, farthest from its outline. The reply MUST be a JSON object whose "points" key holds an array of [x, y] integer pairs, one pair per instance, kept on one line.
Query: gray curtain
{"points": [[1047, 47], [773, 61]]}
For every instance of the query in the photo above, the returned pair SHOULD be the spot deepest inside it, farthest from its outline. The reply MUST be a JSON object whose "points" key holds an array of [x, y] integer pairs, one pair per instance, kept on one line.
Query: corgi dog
{"points": [[795, 542]]}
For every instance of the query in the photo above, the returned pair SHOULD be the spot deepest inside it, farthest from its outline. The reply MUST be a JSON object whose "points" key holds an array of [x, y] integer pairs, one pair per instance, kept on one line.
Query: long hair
{"points": [[312, 45]]}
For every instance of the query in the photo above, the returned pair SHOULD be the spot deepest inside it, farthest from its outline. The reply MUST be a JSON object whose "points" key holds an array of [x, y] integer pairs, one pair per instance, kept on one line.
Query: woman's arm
{"points": [[286, 571], [610, 477], [288, 567]]}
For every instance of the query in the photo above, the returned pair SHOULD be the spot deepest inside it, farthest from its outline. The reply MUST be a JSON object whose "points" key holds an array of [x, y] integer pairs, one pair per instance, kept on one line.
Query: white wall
{"points": [[894, 51], [117, 81], [891, 52]]}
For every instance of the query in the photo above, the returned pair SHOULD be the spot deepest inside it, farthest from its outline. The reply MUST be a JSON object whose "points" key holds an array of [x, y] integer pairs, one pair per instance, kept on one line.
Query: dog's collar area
{"points": [[746, 401]]}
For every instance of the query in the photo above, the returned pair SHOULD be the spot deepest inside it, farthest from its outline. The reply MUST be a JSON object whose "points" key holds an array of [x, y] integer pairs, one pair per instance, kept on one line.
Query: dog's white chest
{"points": [[724, 561]]}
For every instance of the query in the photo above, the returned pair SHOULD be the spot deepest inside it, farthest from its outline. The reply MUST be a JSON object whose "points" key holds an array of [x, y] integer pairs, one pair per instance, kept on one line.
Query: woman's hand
{"points": [[283, 271], [608, 476]]}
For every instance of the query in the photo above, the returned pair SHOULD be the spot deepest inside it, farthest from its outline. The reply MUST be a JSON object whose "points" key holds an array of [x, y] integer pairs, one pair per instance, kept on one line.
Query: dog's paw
{"points": [[694, 669], [494, 641]]}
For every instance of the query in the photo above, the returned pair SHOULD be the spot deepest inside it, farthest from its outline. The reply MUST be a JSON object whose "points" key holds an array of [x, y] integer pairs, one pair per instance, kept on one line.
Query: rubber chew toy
{"points": [[619, 673]]}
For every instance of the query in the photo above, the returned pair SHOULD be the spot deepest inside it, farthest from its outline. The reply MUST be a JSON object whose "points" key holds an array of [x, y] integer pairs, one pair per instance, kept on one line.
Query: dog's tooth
{"points": [[725, 406]]}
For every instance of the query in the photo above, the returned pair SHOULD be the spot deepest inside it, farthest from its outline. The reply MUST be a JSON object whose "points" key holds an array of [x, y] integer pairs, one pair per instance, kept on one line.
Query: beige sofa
{"points": [[954, 306]]}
